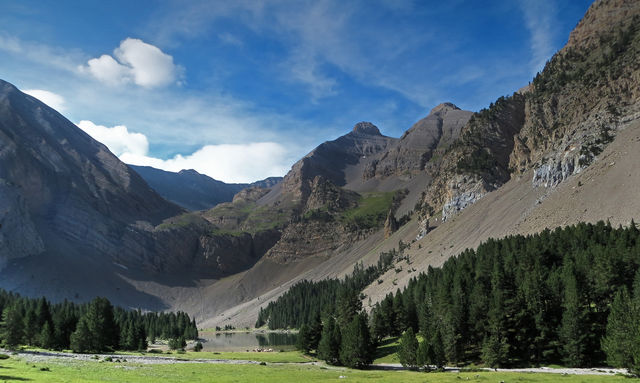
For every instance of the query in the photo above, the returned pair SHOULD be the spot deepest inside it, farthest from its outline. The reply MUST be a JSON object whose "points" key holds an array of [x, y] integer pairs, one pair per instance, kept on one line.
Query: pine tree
{"points": [[495, 349], [400, 316], [329, 346], [81, 338], [12, 326], [46, 338], [355, 349], [101, 324], [177, 343], [31, 328], [348, 305], [315, 332], [618, 344], [622, 342], [572, 332], [141, 337], [437, 350], [408, 349], [43, 313], [303, 342]]}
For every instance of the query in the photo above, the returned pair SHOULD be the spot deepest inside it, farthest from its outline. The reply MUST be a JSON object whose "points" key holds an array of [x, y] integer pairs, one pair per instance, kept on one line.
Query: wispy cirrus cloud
{"points": [[539, 17]]}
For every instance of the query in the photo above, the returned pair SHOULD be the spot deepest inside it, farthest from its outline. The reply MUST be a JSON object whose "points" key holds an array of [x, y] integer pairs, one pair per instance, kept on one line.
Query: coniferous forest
{"points": [[90, 327], [569, 296]]}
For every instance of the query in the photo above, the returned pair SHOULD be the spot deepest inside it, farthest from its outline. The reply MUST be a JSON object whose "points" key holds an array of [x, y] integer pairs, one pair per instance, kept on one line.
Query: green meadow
{"points": [[16, 369]]}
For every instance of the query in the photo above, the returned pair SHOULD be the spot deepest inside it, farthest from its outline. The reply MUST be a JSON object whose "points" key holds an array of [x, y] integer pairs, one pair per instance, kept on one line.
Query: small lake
{"points": [[242, 341]]}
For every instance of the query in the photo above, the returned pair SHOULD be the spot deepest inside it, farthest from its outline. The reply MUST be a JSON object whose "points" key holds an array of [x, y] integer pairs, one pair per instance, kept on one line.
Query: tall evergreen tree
{"points": [[355, 349], [618, 344], [572, 332], [46, 338], [408, 349], [102, 326], [329, 346], [495, 349], [12, 326], [315, 332], [304, 339], [31, 328], [348, 305], [622, 342], [81, 338]]}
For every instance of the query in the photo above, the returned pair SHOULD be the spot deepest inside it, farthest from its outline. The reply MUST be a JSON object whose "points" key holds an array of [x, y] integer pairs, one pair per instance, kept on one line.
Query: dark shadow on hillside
{"points": [[385, 368], [7, 378], [77, 279]]}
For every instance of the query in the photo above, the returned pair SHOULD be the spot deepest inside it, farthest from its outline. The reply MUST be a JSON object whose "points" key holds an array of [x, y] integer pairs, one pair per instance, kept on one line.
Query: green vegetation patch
{"points": [[233, 233], [371, 211], [265, 218], [387, 351], [76, 372], [182, 220]]}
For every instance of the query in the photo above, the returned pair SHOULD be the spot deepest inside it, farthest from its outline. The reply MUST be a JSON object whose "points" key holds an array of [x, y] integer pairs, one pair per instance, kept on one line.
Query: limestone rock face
{"points": [[18, 234], [556, 126], [390, 224], [331, 158], [463, 193], [64, 194], [427, 138], [68, 184]]}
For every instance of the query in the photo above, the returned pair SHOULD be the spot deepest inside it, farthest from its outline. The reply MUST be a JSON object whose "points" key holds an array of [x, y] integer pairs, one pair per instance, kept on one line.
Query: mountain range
{"points": [[192, 190], [76, 222]]}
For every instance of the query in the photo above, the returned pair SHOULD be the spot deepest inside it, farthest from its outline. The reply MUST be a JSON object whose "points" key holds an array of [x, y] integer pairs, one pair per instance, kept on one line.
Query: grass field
{"points": [[371, 211], [272, 357], [386, 351], [17, 370]]}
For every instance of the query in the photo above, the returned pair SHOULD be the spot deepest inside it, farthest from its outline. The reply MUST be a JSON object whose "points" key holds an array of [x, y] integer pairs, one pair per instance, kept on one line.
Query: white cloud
{"points": [[138, 62], [304, 68], [118, 139], [538, 16], [36, 52], [227, 162], [108, 70], [53, 100]]}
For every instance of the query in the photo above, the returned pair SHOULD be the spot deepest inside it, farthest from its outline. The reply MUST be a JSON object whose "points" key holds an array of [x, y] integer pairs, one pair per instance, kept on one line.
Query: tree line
{"points": [[306, 300], [569, 296], [89, 327]]}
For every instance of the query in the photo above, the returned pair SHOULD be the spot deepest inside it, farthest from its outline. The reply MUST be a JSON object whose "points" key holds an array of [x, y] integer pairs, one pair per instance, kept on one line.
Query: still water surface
{"points": [[241, 341]]}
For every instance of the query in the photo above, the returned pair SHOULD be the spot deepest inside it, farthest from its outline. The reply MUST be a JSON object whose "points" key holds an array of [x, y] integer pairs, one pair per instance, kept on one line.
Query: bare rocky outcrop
{"points": [[477, 161], [331, 158], [18, 234], [390, 224], [558, 124], [427, 138], [64, 182]]}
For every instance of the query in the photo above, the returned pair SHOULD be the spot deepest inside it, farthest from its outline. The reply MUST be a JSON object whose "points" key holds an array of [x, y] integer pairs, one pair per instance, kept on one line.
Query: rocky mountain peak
{"points": [[366, 128], [189, 171], [444, 107], [602, 16]]}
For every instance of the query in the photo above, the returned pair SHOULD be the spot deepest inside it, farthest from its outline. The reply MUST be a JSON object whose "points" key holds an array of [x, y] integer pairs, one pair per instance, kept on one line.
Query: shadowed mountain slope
{"points": [[192, 190]]}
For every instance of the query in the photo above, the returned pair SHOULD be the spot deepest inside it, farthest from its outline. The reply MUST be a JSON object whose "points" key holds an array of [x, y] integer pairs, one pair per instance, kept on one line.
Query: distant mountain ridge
{"points": [[193, 190]]}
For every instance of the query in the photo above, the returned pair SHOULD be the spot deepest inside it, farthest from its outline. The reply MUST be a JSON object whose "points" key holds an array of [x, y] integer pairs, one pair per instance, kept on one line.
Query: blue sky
{"points": [[240, 90]]}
